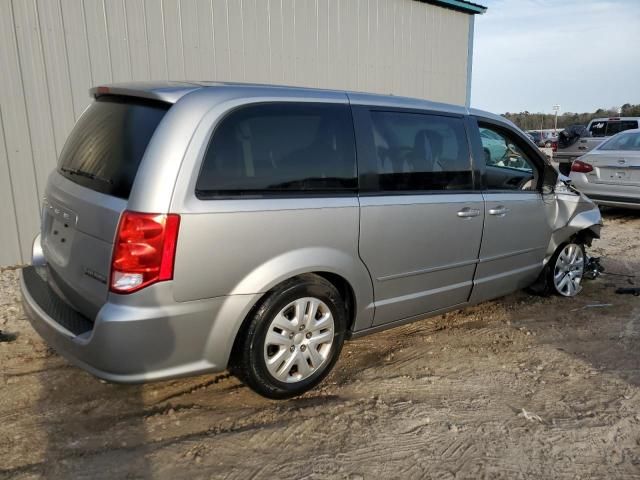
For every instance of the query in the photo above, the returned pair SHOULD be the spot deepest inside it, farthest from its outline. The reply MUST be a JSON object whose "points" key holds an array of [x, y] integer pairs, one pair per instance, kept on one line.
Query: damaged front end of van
{"points": [[575, 221]]}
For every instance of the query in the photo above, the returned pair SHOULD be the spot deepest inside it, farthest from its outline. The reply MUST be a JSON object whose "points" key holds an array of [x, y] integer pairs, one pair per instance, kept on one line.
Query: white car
{"points": [[610, 173]]}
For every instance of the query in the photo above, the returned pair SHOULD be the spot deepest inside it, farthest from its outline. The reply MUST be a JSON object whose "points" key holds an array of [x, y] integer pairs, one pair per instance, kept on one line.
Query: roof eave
{"points": [[459, 5]]}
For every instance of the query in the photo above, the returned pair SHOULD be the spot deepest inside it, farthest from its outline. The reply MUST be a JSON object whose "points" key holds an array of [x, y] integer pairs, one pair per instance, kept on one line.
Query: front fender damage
{"points": [[572, 216]]}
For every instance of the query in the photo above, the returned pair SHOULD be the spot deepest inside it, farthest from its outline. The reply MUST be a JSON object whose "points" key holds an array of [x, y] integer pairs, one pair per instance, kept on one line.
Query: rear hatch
{"points": [[88, 192]]}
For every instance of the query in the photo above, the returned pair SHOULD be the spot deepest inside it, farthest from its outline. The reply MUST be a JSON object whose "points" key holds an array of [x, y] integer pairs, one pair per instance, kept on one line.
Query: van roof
{"points": [[613, 119], [172, 91]]}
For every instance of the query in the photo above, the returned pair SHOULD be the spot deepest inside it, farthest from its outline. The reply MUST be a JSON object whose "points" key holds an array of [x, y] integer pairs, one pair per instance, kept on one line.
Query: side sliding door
{"points": [[420, 216]]}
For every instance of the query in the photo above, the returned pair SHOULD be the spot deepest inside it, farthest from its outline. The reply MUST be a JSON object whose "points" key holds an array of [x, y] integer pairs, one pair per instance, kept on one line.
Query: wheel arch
{"points": [[343, 270], [339, 282]]}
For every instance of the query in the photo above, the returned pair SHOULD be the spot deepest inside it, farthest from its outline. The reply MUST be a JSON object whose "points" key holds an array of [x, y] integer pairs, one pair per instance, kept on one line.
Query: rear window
{"points": [[281, 149], [607, 128], [624, 142], [105, 147]]}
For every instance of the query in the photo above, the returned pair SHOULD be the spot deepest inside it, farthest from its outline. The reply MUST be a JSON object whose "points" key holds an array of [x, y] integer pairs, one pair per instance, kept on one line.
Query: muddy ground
{"points": [[522, 387]]}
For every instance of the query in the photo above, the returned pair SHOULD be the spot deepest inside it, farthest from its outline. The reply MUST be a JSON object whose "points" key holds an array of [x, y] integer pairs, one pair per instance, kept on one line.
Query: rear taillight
{"points": [[581, 167], [144, 251]]}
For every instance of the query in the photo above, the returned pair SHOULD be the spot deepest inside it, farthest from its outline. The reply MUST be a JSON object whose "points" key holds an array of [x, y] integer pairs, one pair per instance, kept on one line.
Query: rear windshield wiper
{"points": [[82, 173]]}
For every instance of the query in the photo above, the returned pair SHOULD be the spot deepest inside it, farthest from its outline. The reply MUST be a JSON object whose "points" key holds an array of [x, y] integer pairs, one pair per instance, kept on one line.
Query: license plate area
{"points": [[617, 175], [58, 233]]}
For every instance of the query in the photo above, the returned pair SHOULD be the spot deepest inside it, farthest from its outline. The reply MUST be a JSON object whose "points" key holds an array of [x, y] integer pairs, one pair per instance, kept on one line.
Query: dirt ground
{"points": [[522, 387]]}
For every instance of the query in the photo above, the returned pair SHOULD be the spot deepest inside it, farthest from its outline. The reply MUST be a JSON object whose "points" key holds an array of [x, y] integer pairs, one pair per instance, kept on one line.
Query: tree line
{"points": [[539, 121]]}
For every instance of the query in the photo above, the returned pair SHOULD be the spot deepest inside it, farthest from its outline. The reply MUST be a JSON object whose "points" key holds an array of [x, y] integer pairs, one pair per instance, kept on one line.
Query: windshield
{"points": [[106, 146], [623, 142]]}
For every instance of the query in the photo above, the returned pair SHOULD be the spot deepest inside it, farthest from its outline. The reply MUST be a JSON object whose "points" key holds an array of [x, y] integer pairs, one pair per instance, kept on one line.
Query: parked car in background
{"points": [[543, 138], [195, 227], [494, 146], [577, 140], [610, 173]]}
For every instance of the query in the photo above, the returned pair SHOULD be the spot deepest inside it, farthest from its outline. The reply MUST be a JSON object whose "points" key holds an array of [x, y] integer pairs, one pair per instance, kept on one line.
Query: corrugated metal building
{"points": [[53, 51]]}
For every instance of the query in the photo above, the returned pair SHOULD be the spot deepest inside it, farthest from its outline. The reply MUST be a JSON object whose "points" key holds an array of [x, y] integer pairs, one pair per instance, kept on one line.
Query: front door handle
{"points": [[468, 212], [500, 211]]}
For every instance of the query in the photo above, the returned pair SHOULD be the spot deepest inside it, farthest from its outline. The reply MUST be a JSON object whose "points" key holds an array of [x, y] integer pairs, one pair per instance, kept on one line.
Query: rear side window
{"points": [[419, 152], [105, 147], [281, 149], [607, 128]]}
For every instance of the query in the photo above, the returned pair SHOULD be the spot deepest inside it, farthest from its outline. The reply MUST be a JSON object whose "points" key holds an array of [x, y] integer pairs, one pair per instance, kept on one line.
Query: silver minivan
{"points": [[195, 227]]}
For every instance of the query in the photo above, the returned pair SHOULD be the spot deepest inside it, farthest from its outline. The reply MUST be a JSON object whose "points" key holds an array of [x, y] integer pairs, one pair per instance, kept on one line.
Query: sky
{"points": [[532, 54]]}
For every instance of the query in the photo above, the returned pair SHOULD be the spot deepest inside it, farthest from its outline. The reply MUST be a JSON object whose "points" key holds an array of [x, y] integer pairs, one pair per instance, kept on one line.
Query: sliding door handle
{"points": [[468, 212], [500, 211]]}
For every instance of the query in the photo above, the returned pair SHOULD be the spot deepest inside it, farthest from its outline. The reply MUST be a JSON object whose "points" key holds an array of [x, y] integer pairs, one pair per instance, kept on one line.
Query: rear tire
{"points": [[292, 339]]}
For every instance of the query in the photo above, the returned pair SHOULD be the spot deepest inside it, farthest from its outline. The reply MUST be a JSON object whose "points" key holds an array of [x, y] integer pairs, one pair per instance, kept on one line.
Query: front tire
{"points": [[292, 340], [564, 273], [567, 269]]}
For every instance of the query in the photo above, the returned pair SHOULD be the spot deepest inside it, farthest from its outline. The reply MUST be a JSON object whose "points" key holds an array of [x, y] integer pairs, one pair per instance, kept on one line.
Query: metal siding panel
{"points": [[386, 47], [337, 55], [306, 43], [16, 135], [349, 40], [260, 41], [138, 42], [236, 40], [409, 52], [276, 41], [158, 69], [221, 39], [398, 48], [36, 93], [57, 69], [10, 251], [323, 41], [428, 56], [76, 42], [418, 48], [364, 47], [116, 22], [191, 39], [173, 39], [252, 45], [99, 50], [206, 40], [289, 74]]}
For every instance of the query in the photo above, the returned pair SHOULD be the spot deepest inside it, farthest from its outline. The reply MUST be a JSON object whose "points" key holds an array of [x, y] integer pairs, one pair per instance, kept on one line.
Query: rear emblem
{"points": [[95, 275], [62, 214]]}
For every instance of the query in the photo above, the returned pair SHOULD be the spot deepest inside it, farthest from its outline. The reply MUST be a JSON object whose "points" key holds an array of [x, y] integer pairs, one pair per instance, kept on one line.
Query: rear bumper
{"points": [[623, 196], [136, 344]]}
